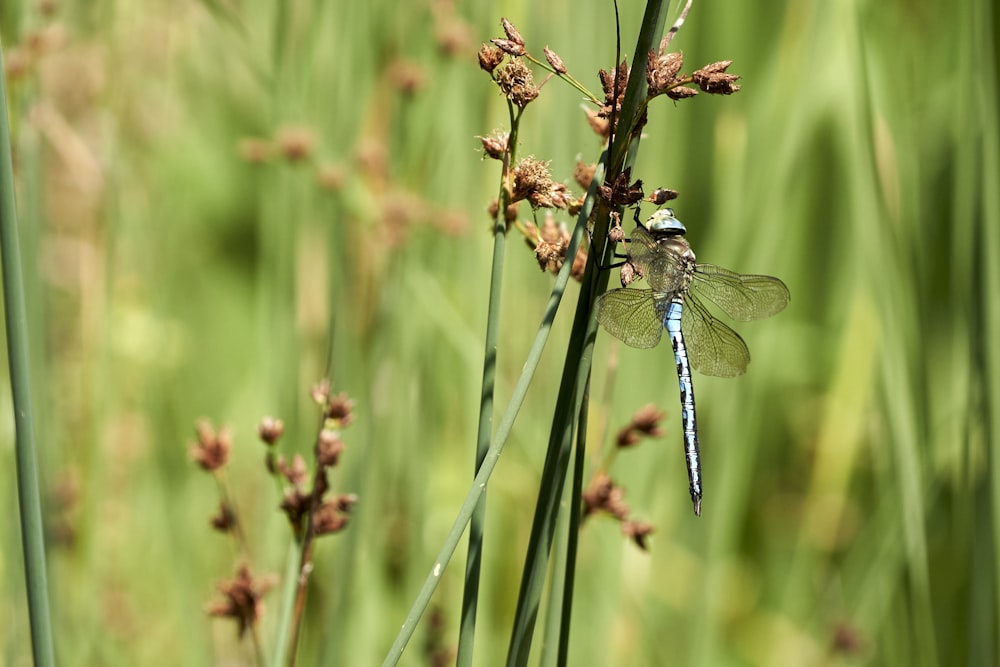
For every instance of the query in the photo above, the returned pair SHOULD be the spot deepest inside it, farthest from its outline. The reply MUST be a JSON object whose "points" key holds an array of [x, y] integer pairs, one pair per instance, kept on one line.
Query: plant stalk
{"points": [[29, 497]]}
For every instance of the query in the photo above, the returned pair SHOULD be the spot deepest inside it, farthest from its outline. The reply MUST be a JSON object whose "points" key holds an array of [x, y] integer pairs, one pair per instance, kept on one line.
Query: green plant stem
{"points": [[29, 498], [573, 538], [989, 168], [473, 564], [549, 654], [288, 593], [496, 446]]}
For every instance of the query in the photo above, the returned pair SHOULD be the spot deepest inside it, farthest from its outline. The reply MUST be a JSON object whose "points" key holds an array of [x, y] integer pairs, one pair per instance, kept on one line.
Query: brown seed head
{"points": [[453, 36], [16, 64], [255, 150], [661, 196], [554, 60], [603, 494], [553, 240], [295, 504], [509, 47], [558, 197], [346, 501], [647, 420], [242, 599], [270, 429], [511, 32], [328, 519], [613, 96], [620, 192], [662, 71], [517, 83], [329, 447], [600, 126], [616, 505], [339, 409], [297, 474], [225, 520], [681, 92], [295, 143], [847, 639], [645, 424], [583, 174], [532, 180], [510, 213], [596, 493], [407, 76], [638, 532], [320, 392], [490, 57], [495, 145], [713, 78], [211, 451]]}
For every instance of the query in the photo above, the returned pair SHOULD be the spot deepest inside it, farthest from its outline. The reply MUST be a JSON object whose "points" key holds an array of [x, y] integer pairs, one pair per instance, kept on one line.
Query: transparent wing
{"points": [[741, 297], [713, 348], [632, 316], [656, 263]]}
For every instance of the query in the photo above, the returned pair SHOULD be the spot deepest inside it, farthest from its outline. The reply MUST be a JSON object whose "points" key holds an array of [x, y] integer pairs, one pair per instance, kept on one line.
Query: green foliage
{"points": [[176, 269]]}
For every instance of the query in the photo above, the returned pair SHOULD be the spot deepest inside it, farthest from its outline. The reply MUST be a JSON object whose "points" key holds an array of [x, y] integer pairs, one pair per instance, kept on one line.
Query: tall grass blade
{"points": [[989, 116], [15, 310], [496, 446], [473, 565]]}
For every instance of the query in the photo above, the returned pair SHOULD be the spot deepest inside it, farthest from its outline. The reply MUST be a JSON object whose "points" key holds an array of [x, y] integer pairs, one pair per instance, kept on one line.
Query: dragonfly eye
{"points": [[664, 222]]}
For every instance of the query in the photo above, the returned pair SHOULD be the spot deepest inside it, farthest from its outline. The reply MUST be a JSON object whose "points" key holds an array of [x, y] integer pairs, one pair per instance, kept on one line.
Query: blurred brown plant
{"points": [[242, 599]]}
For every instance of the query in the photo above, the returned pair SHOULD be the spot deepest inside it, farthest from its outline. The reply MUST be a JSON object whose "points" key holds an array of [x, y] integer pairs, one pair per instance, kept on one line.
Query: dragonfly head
{"points": [[664, 222]]}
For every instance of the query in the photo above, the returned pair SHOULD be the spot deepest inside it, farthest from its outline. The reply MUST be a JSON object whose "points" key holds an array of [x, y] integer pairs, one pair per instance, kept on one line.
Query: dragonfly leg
{"points": [[617, 255]]}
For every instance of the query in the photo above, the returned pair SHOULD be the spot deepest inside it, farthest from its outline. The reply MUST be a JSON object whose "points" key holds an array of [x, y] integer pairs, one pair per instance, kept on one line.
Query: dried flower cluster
{"points": [[621, 192], [603, 495], [242, 598], [551, 243], [24, 58], [533, 181], [517, 83], [328, 515], [664, 78], [645, 424], [310, 509], [614, 85], [211, 451]]}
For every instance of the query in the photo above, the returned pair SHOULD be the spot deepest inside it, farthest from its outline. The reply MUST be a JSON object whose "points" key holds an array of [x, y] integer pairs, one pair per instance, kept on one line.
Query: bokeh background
{"points": [[208, 189]]}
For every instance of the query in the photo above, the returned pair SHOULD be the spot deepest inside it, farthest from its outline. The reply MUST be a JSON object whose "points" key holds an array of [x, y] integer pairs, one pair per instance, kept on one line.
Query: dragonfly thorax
{"points": [[685, 263]]}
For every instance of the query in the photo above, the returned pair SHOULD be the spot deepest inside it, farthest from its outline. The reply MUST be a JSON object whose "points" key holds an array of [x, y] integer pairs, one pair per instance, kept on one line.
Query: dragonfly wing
{"points": [[657, 263], [631, 315], [713, 348], [742, 297]]}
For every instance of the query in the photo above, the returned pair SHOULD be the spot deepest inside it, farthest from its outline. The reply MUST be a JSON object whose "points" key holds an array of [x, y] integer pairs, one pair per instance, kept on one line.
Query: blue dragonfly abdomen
{"points": [[672, 323]]}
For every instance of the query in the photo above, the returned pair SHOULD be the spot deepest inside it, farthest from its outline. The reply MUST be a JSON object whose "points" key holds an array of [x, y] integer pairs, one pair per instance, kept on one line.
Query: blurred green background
{"points": [[207, 188]]}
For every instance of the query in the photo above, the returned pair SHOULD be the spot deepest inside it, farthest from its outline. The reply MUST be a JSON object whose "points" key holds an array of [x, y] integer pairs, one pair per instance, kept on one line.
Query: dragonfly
{"points": [[673, 302]]}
